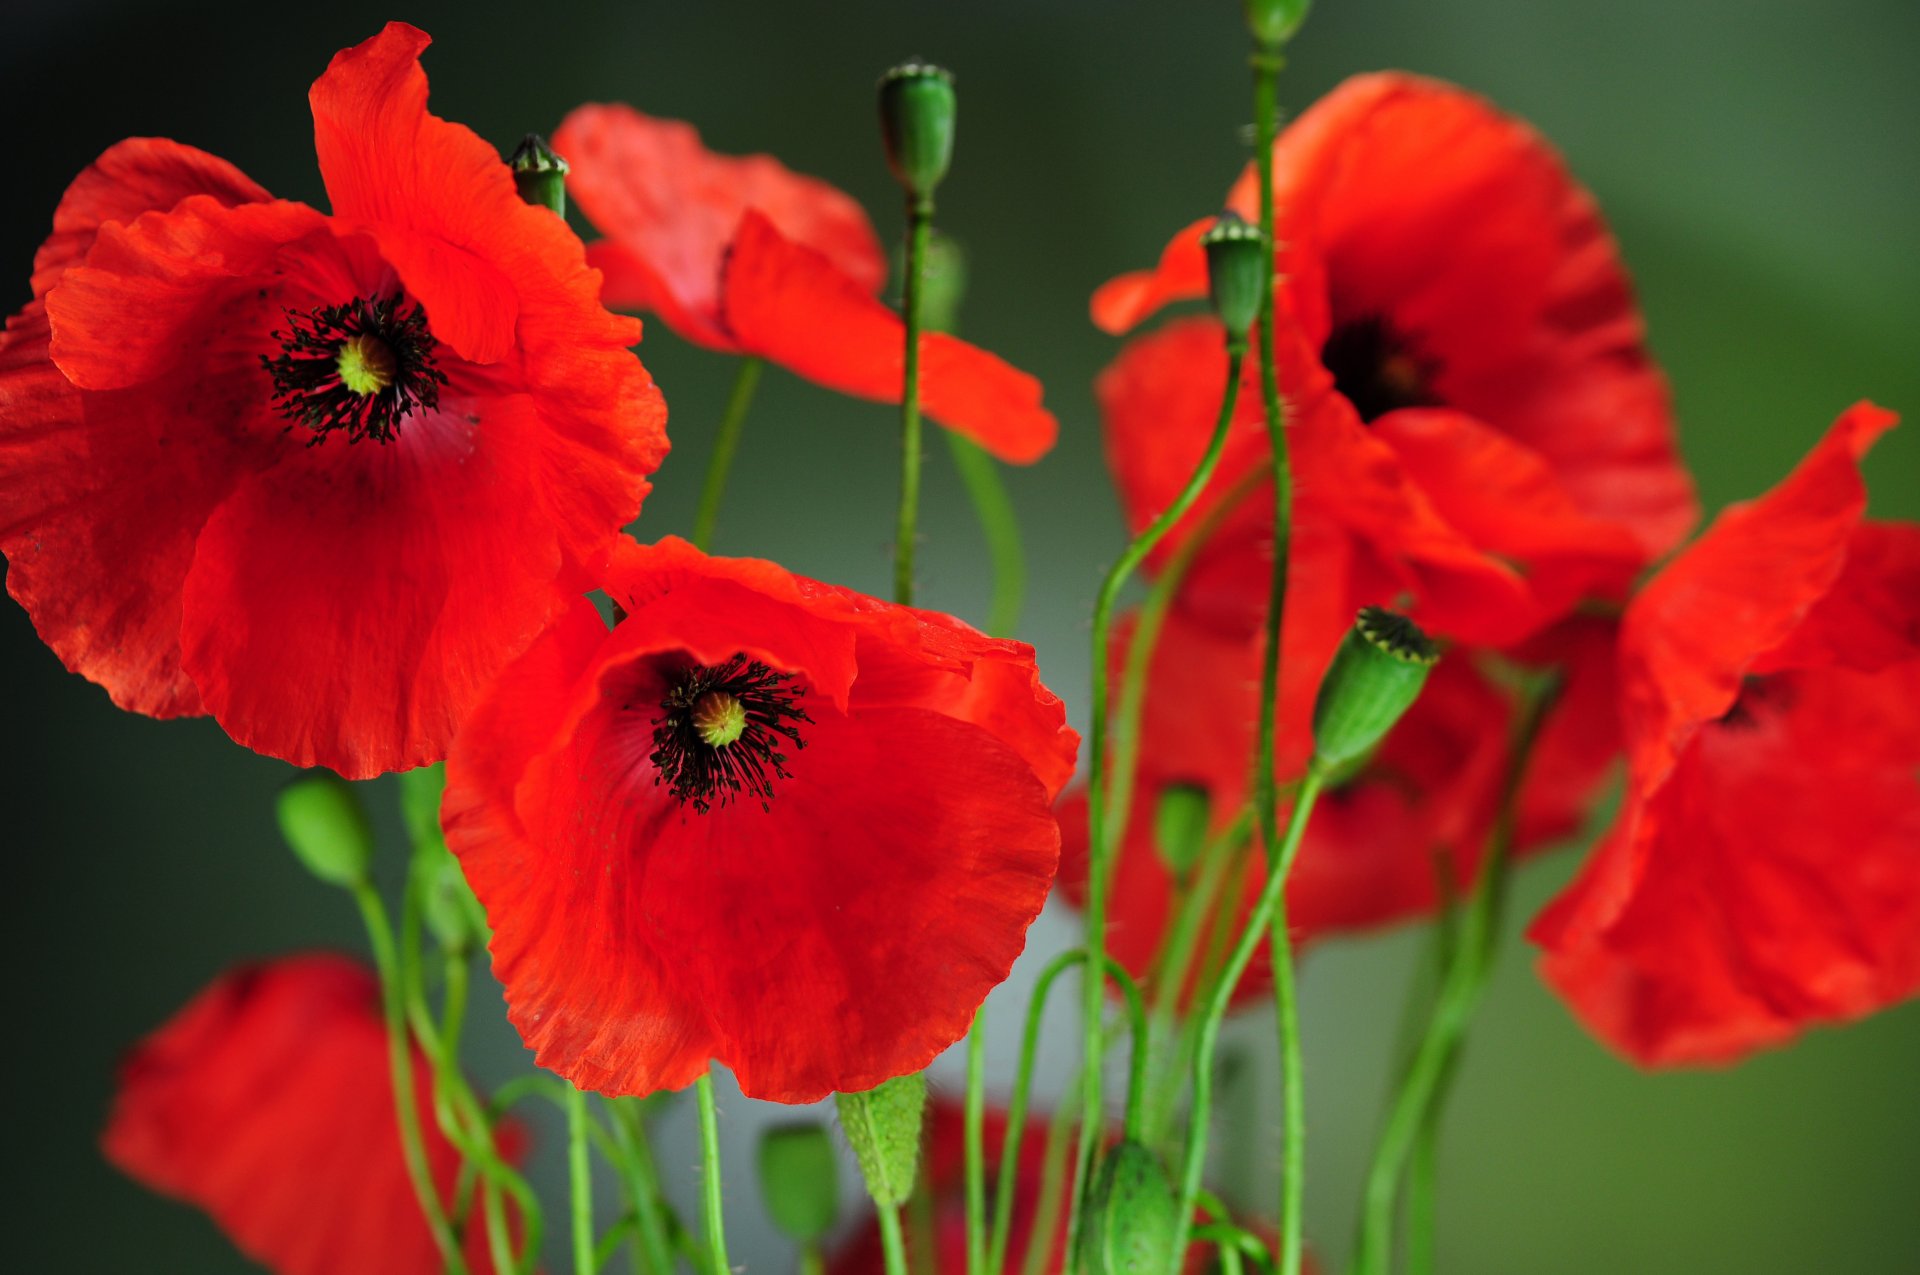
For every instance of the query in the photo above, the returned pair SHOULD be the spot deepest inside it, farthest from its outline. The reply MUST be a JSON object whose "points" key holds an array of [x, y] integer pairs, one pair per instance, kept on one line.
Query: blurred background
{"points": [[1757, 160]]}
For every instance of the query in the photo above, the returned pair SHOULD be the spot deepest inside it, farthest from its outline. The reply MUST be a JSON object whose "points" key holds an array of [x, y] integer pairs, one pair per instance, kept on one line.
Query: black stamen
{"points": [[307, 384], [1378, 369], [708, 775]]}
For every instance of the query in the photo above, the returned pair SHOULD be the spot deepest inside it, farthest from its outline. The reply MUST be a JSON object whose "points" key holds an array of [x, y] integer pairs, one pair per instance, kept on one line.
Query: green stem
{"points": [[400, 1064], [975, 1151], [580, 1182], [891, 1242], [1428, 1073], [710, 1175], [812, 1261], [1099, 854], [919, 228], [980, 474], [643, 1184], [1279, 864], [725, 443], [609, 1243]]}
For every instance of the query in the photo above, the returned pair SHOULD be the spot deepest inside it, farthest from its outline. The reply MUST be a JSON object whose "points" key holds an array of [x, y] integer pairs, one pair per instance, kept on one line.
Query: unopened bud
{"points": [[1273, 22], [1236, 265], [322, 821], [916, 123], [1132, 1215], [447, 902], [799, 1179], [1375, 676], [540, 174], [1180, 826], [883, 1128]]}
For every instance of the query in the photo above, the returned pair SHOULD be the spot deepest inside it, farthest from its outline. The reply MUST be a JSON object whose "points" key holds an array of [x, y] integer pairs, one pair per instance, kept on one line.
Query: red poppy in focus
{"points": [[319, 476], [746, 256], [764, 820], [1470, 396], [268, 1102], [1764, 874]]}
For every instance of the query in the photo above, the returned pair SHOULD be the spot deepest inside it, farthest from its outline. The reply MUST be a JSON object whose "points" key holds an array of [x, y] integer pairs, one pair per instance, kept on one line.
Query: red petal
{"points": [[1181, 275], [1870, 619], [670, 208], [789, 304]]}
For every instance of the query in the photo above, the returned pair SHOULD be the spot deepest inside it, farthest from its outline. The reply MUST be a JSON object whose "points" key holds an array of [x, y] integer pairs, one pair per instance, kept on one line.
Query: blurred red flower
{"points": [[764, 820], [744, 255], [268, 1102], [319, 476], [1764, 873], [1470, 399]]}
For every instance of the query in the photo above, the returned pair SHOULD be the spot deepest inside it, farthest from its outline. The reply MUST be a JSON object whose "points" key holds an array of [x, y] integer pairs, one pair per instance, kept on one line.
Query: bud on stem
{"points": [[1132, 1216], [325, 826], [799, 1180], [917, 107], [1273, 22], [540, 174], [1236, 264], [883, 1128], [1375, 676]]}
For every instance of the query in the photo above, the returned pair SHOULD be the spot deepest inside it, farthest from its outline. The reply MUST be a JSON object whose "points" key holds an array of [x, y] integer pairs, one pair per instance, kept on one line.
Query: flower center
{"points": [[720, 732], [357, 369], [1760, 698], [1378, 369]]}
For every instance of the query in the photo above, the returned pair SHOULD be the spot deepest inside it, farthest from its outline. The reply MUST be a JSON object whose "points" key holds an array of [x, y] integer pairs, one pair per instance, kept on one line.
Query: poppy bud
{"points": [[1273, 22], [799, 1179], [1132, 1215], [1180, 826], [916, 123], [1235, 264], [540, 174], [321, 819], [447, 904], [1375, 676], [883, 1128]]}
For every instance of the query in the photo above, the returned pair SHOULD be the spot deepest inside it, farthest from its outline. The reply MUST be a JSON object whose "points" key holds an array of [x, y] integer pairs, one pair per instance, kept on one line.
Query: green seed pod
{"points": [[799, 1179], [1273, 22], [322, 820], [883, 1128], [1180, 826], [916, 123], [540, 174], [1375, 676], [1132, 1215], [1235, 266]]}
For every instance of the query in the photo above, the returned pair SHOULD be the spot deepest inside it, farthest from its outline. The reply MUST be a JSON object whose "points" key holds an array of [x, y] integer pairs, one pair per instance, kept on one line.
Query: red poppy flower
{"points": [[764, 820], [1468, 387], [1764, 874], [746, 256], [267, 1101], [319, 476]]}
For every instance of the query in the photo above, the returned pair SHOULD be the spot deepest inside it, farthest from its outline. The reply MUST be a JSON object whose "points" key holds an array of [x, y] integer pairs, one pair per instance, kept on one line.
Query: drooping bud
{"points": [[1180, 826], [540, 174], [799, 1179], [1273, 22], [1375, 676], [883, 1128], [1235, 264], [1132, 1215], [917, 107], [324, 824]]}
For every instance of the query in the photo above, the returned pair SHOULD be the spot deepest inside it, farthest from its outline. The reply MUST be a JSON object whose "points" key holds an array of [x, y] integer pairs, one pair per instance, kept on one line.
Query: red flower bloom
{"points": [[1469, 394], [746, 256], [1764, 874], [764, 820], [267, 1101], [320, 476]]}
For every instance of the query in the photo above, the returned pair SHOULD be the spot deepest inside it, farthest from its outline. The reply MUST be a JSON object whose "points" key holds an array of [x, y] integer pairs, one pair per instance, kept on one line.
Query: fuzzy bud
{"points": [[324, 824], [1235, 265], [1132, 1215], [799, 1179], [540, 174], [1375, 676], [916, 123], [883, 1128]]}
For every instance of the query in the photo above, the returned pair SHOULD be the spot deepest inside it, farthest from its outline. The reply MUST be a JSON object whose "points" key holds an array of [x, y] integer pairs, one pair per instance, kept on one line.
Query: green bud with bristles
{"points": [[1180, 826], [1236, 266], [1375, 676], [883, 1128], [917, 108], [1273, 22], [1132, 1215], [799, 1179], [323, 822], [540, 175]]}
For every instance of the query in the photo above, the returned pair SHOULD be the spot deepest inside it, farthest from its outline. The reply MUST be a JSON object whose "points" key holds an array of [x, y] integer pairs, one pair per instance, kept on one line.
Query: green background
{"points": [[1758, 162]]}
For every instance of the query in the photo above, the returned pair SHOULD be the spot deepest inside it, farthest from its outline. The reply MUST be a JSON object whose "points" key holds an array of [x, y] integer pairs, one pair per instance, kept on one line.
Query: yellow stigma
{"points": [[720, 718], [366, 364]]}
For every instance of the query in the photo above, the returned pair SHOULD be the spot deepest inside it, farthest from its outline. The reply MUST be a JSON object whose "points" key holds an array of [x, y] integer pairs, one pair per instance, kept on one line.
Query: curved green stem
{"points": [[643, 1183], [919, 228], [710, 1176], [980, 474], [726, 441]]}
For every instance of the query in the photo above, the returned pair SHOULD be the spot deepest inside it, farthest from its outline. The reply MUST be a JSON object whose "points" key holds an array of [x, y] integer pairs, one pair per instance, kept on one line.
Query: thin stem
{"points": [[1433, 1062], [400, 1064], [726, 441], [975, 1151], [580, 1182], [609, 1244], [919, 229], [891, 1242], [980, 474], [1279, 864], [1098, 849], [643, 1184], [710, 1175]]}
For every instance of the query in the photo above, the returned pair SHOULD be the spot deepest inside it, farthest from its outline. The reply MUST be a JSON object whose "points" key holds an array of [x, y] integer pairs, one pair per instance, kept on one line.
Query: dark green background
{"points": [[1758, 161]]}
